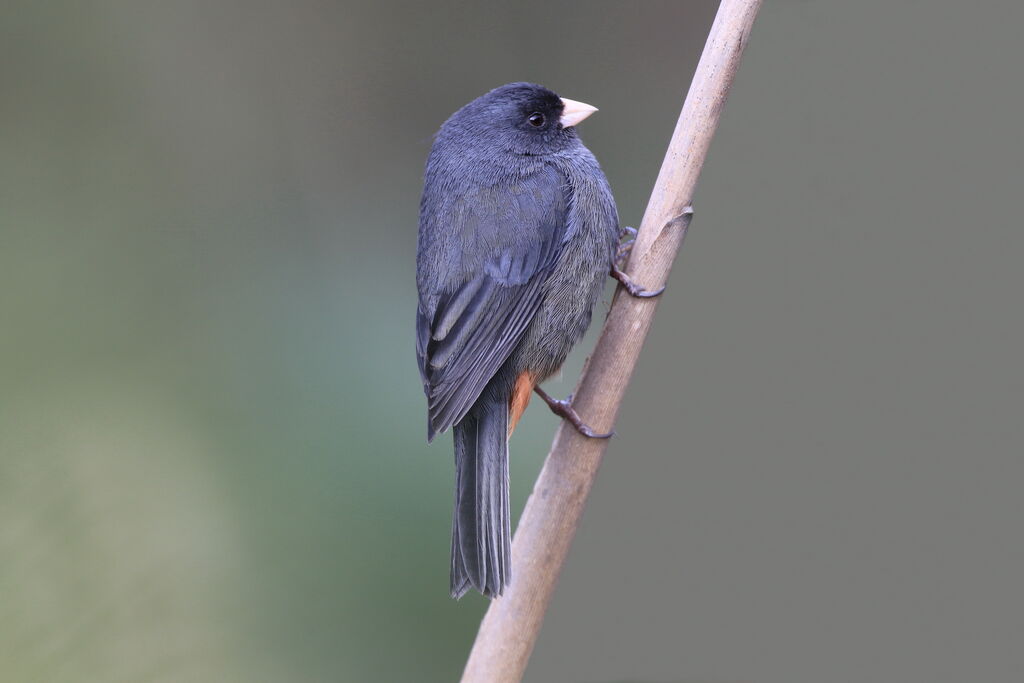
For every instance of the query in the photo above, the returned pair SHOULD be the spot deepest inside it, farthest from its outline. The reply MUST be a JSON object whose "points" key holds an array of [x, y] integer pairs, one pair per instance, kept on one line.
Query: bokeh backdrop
{"points": [[212, 453]]}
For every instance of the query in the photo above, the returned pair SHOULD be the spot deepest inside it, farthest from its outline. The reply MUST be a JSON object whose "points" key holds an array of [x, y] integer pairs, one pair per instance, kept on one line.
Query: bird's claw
{"points": [[633, 288], [563, 408]]}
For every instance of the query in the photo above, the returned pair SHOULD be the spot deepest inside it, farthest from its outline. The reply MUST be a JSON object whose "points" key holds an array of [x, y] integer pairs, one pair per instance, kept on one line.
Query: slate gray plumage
{"points": [[518, 229]]}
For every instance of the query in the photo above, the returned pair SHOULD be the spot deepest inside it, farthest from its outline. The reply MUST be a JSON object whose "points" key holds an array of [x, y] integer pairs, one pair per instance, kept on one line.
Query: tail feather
{"points": [[481, 537]]}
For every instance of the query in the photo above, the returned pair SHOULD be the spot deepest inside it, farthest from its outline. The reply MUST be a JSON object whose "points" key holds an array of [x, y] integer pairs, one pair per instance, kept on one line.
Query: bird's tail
{"points": [[481, 538]]}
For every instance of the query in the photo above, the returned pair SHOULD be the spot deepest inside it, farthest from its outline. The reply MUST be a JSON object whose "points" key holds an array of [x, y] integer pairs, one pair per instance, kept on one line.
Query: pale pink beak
{"points": [[574, 112]]}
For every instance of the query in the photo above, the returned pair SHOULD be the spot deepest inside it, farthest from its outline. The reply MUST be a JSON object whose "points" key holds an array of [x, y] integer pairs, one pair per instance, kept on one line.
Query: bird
{"points": [[518, 229]]}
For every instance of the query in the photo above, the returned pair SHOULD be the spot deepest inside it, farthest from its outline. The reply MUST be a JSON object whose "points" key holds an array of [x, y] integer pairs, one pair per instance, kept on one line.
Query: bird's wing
{"points": [[485, 267]]}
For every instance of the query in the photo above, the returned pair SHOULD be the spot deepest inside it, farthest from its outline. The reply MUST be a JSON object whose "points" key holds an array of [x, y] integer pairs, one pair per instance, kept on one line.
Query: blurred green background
{"points": [[212, 453]]}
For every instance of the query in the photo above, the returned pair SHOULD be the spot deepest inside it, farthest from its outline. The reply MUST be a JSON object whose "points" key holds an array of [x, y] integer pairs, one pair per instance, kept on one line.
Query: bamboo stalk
{"points": [[509, 630]]}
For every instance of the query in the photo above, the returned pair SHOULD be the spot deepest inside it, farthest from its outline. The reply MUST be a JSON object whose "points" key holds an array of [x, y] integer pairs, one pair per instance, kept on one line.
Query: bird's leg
{"points": [[632, 287], [565, 411], [628, 237]]}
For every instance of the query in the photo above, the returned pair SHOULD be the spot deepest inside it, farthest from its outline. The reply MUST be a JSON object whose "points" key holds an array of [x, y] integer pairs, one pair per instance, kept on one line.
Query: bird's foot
{"points": [[632, 287], [564, 409], [627, 238]]}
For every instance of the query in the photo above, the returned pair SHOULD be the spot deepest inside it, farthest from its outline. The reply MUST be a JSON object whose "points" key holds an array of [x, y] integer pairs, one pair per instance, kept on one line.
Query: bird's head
{"points": [[521, 118]]}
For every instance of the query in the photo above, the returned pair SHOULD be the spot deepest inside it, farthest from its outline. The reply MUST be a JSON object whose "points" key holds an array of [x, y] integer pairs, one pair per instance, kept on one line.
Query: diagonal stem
{"points": [[510, 627]]}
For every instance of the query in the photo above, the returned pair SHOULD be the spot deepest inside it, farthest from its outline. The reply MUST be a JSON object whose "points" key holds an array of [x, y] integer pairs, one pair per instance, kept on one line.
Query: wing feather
{"points": [[483, 266]]}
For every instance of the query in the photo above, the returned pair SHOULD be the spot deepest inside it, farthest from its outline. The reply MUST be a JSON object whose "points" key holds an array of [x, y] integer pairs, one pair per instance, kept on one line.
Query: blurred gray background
{"points": [[212, 453]]}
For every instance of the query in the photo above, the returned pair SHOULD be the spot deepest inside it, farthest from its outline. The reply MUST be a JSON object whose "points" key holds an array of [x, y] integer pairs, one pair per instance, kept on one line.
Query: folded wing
{"points": [[482, 275]]}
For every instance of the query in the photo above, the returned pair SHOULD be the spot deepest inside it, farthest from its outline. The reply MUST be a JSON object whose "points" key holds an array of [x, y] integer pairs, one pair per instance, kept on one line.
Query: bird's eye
{"points": [[536, 119]]}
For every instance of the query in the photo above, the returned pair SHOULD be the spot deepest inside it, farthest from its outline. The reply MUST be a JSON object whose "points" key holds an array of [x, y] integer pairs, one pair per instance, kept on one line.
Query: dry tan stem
{"points": [[509, 629]]}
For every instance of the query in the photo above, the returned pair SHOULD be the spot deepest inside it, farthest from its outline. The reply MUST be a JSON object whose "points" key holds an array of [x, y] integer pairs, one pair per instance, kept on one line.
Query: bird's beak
{"points": [[573, 112]]}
